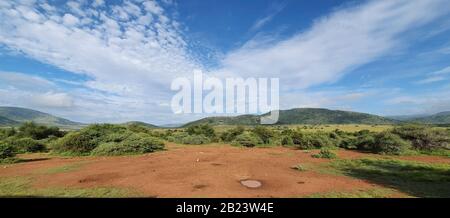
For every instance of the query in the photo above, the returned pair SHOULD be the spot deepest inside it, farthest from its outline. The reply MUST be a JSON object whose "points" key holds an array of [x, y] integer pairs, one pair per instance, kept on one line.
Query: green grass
{"points": [[10, 160], [413, 178], [369, 193], [22, 187], [62, 169], [439, 152]]}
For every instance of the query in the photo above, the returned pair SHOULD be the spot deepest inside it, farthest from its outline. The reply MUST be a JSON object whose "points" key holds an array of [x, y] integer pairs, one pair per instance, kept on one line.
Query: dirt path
{"points": [[194, 171]]}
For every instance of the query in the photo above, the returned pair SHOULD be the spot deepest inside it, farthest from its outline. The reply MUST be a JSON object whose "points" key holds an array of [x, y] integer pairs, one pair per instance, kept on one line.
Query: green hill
{"points": [[19, 115], [439, 118], [301, 116], [7, 122], [141, 124]]}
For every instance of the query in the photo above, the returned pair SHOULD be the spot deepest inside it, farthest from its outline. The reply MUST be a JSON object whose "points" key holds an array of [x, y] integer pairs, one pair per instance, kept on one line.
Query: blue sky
{"points": [[113, 61]]}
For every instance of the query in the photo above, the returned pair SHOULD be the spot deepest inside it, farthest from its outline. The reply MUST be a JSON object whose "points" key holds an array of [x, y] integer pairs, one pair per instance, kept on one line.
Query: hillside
{"points": [[20, 115], [7, 122], [301, 116], [141, 124], [439, 118]]}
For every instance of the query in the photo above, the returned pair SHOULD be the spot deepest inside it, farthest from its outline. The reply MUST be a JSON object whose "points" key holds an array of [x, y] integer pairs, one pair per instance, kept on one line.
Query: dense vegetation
{"points": [[109, 139], [98, 139], [399, 140]]}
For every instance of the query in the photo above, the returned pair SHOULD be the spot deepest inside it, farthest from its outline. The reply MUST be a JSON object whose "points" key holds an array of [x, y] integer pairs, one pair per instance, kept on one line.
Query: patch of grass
{"points": [[22, 187], [438, 152], [325, 153], [10, 160], [369, 193], [62, 169], [413, 178]]}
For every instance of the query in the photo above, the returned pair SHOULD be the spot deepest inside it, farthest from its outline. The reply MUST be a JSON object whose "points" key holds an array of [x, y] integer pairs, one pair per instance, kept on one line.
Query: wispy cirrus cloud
{"points": [[274, 10], [336, 44]]}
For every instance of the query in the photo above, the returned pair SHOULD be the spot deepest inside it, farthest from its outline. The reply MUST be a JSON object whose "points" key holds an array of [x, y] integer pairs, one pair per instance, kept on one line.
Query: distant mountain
{"points": [[439, 118], [141, 124], [406, 117], [7, 122], [19, 115], [301, 116], [171, 125]]}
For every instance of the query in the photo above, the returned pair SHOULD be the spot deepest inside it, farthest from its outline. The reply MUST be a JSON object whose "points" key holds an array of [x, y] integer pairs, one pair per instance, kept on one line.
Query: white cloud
{"points": [[275, 9], [335, 44], [442, 71], [53, 100], [70, 20], [436, 76], [431, 79]]}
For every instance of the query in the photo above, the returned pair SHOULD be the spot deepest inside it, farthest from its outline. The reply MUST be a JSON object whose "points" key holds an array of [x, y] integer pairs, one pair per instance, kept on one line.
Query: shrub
{"points": [[137, 128], [135, 144], [6, 151], [204, 129], [76, 142], [265, 134], [247, 140], [118, 136], [195, 140], [312, 140], [177, 137], [364, 140], [8, 132], [32, 130], [325, 153], [423, 137], [287, 140], [231, 134], [24, 145], [389, 143]]}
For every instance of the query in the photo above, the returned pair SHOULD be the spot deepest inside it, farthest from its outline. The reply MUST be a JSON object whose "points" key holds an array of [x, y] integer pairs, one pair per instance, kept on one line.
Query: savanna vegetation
{"points": [[109, 139]]}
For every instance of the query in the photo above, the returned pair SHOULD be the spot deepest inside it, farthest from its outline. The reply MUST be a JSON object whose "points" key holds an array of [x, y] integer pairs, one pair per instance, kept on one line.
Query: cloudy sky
{"points": [[113, 61]]}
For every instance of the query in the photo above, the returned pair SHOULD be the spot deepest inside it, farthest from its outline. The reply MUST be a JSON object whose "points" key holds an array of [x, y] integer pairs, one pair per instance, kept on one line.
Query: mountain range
{"points": [[301, 116], [13, 116]]}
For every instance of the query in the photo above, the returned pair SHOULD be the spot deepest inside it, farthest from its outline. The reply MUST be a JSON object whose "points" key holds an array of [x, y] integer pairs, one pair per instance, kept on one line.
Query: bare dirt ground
{"points": [[197, 171]]}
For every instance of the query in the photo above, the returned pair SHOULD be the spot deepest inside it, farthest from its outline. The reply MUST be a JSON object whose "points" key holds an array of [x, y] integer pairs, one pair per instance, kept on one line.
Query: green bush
{"points": [[177, 137], [325, 153], [423, 137], [264, 133], [118, 136], [76, 142], [195, 140], [135, 144], [6, 151], [389, 143], [24, 145], [7, 132], [365, 140], [287, 140], [107, 139], [231, 134], [310, 140], [204, 129], [247, 140], [32, 130]]}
